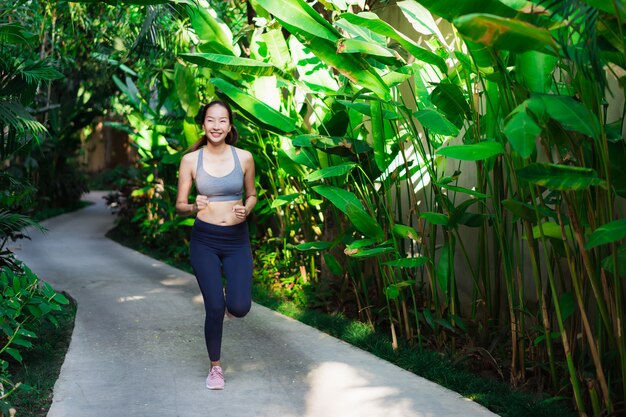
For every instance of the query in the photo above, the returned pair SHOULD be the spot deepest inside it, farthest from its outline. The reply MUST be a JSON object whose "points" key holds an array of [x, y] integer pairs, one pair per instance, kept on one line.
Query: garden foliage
{"points": [[455, 177]]}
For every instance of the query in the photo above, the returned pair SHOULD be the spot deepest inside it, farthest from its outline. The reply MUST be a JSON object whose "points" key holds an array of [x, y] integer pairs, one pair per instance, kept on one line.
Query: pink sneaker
{"points": [[215, 380]]}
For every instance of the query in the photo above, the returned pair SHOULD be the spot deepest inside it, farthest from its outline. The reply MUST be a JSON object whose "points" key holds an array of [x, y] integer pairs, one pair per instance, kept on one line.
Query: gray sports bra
{"points": [[226, 188]]}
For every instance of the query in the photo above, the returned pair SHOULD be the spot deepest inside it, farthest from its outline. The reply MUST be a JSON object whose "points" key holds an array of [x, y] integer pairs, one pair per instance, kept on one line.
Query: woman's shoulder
{"points": [[190, 158], [243, 154]]}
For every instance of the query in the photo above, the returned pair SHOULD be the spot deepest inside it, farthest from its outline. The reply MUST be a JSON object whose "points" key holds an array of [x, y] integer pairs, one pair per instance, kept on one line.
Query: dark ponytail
{"points": [[233, 135]]}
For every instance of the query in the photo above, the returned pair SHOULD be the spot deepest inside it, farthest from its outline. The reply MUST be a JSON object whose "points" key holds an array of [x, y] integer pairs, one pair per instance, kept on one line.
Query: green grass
{"points": [[41, 365], [497, 396]]}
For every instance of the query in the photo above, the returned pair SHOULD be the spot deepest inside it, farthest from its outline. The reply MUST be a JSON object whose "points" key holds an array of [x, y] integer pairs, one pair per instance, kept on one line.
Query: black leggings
{"points": [[215, 249]]}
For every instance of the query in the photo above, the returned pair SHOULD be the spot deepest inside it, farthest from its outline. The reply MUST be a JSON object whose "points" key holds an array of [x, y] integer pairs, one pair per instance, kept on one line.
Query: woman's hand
{"points": [[202, 202], [241, 212]]}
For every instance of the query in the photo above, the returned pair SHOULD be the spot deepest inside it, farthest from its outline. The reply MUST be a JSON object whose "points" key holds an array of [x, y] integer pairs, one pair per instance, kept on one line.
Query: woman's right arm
{"points": [[185, 180]]}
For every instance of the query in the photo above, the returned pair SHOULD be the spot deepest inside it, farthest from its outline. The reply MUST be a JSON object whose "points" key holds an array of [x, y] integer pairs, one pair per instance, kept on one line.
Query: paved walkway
{"points": [[137, 348]]}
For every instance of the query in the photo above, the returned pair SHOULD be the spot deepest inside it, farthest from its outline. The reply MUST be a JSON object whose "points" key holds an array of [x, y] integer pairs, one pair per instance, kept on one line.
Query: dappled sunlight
{"points": [[340, 390], [420, 177], [130, 298], [173, 280], [197, 299]]}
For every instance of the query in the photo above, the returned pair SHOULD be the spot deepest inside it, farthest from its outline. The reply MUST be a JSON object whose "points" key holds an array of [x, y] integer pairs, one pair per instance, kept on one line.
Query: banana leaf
{"points": [[277, 48], [372, 22], [607, 233], [506, 34], [232, 63], [298, 17], [332, 171], [214, 34], [572, 115], [472, 152], [450, 9], [522, 132], [559, 177], [254, 109]]}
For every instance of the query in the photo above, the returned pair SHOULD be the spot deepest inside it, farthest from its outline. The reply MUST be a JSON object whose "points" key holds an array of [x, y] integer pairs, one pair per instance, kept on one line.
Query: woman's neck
{"points": [[216, 148]]}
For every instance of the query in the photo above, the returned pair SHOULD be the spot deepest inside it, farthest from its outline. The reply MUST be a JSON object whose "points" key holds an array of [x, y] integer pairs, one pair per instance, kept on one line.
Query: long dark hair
{"points": [[233, 135]]}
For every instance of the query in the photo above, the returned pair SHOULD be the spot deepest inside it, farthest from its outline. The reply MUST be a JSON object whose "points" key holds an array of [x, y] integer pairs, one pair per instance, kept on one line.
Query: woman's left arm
{"points": [[248, 183]]}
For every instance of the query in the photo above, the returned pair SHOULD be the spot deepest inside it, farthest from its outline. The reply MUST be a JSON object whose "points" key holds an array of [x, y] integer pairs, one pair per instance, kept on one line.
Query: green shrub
{"points": [[24, 299]]}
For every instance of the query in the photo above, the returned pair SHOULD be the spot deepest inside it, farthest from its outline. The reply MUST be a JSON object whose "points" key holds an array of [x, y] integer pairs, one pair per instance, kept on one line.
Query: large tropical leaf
{"points": [[214, 34], [298, 17], [450, 100], [350, 205], [311, 71], [408, 262], [522, 131], [231, 63], [255, 109], [277, 48], [607, 233], [420, 18], [375, 24], [506, 34], [405, 231], [450, 9], [526, 211], [472, 152], [339, 197], [436, 122], [186, 89], [358, 46], [572, 115], [282, 200], [377, 132], [314, 246], [366, 109], [332, 171], [352, 66], [559, 177], [364, 223], [534, 70]]}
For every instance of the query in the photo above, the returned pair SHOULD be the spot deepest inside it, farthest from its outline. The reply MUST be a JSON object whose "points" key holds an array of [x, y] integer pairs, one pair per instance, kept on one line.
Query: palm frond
{"points": [[13, 114], [578, 37], [11, 223], [40, 71], [14, 34]]}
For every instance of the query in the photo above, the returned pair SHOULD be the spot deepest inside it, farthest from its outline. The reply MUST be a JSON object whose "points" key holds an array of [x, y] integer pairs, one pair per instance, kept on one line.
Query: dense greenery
{"points": [[454, 178]]}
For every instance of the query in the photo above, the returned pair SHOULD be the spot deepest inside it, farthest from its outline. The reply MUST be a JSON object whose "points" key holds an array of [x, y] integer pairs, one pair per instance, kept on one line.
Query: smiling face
{"points": [[216, 124]]}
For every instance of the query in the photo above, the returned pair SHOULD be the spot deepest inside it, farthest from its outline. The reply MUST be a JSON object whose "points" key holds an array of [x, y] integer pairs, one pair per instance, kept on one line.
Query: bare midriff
{"points": [[220, 213]]}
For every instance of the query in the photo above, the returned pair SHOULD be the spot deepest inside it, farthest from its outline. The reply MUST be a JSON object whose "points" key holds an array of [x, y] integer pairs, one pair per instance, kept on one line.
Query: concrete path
{"points": [[138, 348]]}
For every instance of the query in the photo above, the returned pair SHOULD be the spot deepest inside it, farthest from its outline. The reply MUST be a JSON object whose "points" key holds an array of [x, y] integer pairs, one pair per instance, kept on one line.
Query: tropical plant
{"points": [[24, 299], [383, 119], [447, 185]]}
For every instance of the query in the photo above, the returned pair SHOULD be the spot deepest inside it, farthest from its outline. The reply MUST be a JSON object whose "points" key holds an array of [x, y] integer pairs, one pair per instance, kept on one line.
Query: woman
{"points": [[219, 237]]}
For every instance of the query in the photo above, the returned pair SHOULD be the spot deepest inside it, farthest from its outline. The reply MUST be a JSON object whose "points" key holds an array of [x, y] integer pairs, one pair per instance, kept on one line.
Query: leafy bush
{"points": [[24, 299]]}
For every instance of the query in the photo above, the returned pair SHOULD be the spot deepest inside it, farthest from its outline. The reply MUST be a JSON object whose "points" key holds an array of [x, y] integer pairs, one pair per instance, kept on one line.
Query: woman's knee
{"points": [[238, 309]]}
